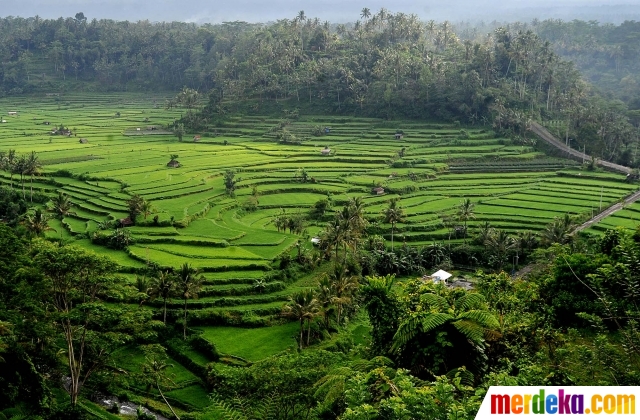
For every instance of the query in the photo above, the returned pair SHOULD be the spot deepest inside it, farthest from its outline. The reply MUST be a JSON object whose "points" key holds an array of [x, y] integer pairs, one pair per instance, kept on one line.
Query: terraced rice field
{"points": [[431, 169]]}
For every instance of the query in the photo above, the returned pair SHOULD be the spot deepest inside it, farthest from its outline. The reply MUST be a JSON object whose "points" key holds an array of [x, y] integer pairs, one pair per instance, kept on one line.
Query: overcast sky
{"points": [[215, 11]]}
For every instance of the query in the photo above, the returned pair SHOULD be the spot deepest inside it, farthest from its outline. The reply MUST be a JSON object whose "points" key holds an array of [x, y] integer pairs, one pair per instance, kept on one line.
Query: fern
{"points": [[466, 377], [227, 410], [470, 329], [484, 318], [469, 301], [434, 302], [432, 321], [268, 408]]}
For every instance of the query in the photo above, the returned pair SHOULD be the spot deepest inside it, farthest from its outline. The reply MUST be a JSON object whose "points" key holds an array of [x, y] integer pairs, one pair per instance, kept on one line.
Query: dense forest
{"points": [[385, 65]]}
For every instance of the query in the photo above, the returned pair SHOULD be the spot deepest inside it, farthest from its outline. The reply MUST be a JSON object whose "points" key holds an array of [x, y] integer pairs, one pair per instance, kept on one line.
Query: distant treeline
{"points": [[385, 65]]}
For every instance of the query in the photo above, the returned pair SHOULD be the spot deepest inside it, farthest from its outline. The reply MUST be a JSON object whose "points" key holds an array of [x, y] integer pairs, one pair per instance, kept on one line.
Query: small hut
{"points": [[326, 151], [84, 140], [399, 136], [315, 241], [377, 191], [173, 164], [46, 123], [125, 222], [13, 112], [439, 276], [196, 138]]}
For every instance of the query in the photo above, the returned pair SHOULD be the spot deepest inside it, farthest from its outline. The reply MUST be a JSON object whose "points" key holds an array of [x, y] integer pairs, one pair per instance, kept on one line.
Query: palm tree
{"points": [[9, 165], [163, 285], [325, 295], [365, 13], [393, 214], [558, 231], [333, 237], [343, 286], [153, 373], [146, 208], [434, 254], [357, 220], [527, 241], [500, 244], [20, 167], [61, 205], [37, 224], [302, 306], [188, 286], [32, 167], [483, 234], [465, 212]]}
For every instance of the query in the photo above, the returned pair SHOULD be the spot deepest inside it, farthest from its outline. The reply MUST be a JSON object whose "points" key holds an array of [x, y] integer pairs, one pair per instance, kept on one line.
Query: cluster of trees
{"points": [[55, 322], [46, 54], [607, 54], [434, 350], [296, 223], [137, 205], [28, 165], [333, 296], [386, 65], [185, 284]]}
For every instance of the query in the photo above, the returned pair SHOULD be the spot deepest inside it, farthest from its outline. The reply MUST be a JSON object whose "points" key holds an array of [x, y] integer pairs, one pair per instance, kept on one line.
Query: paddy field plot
{"points": [[431, 169]]}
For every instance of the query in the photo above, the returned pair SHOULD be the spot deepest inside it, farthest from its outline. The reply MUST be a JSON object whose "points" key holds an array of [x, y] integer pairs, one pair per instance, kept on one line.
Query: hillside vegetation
{"points": [[384, 65], [239, 221]]}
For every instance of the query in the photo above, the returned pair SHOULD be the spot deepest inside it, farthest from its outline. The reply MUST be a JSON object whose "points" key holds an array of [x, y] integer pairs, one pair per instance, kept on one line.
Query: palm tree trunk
{"points": [[301, 331], [167, 402], [308, 330], [184, 323], [164, 317], [31, 188], [392, 237]]}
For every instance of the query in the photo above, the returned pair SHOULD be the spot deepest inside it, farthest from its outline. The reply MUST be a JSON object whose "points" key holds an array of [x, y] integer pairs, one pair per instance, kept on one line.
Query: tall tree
{"points": [[465, 213], [32, 167], [78, 280], [443, 329], [302, 306], [188, 285], [394, 213], [154, 371], [60, 205], [37, 223], [163, 285]]}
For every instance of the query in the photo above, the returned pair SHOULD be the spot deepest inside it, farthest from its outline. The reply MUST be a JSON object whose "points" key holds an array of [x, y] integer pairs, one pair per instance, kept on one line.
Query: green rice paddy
{"points": [[431, 170]]}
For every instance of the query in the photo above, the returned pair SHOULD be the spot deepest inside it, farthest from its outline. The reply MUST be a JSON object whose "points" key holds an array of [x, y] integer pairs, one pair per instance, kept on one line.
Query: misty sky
{"points": [[215, 11]]}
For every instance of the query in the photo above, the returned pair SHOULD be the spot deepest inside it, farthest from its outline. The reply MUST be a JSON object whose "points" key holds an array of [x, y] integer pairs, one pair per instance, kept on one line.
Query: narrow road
{"points": [[545, 135], [608, 211]]}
